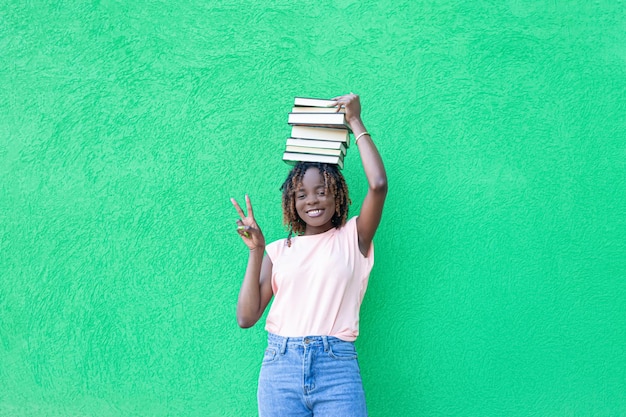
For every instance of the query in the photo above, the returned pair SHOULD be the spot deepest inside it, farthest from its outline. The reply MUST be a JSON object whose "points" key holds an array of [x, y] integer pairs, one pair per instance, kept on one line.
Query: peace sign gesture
{"points": [[248, 228]]}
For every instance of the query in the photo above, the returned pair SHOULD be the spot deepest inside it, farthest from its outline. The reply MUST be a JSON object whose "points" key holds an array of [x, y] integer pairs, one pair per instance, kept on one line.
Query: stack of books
{"points": [[318, 132]]}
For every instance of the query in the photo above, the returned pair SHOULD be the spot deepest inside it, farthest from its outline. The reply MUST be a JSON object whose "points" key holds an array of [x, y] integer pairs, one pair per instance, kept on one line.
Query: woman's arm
{"points": [[256, 289], [372, 207]]}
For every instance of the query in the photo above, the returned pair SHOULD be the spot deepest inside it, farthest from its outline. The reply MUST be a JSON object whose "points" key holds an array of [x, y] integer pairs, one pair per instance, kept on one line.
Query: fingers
{"points": [[239, 210], [250, 232], [243, 230], [249, 206], [247, 228], [345, 101]]}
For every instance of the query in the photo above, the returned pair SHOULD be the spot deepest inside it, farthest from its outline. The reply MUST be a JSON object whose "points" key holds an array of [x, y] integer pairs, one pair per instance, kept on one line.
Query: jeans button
{"points": [[307, 341]]}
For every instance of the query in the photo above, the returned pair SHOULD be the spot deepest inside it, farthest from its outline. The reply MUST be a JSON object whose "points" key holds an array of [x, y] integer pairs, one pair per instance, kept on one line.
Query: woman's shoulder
{"points": [[279, 242], [274, 248], [350, 223], [348, 228]]}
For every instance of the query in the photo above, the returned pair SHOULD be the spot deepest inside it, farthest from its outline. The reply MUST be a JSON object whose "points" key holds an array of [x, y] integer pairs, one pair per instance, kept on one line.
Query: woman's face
{"points": [[314, 204]]}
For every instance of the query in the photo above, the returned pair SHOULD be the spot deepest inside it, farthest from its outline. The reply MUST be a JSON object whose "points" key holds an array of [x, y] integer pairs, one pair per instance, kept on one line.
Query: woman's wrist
{"points": [[357, 126], [360, 135], [257, 250]]}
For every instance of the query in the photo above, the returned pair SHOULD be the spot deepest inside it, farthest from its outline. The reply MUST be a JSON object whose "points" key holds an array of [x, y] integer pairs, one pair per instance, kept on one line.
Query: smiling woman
{"points": [[314, 204], [315, 199], [318, 280]]}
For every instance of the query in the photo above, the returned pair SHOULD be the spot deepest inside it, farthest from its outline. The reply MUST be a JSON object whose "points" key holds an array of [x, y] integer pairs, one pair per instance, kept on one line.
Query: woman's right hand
{"points": [[248, 228]]}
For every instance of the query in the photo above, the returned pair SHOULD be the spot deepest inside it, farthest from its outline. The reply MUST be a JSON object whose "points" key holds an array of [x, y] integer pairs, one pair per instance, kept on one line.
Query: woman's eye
{"points": [[300, 196]]}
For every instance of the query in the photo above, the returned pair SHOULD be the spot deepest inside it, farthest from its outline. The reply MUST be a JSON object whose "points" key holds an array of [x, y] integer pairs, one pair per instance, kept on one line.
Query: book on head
{"points": [[292, 158], [313, 102], [317, 144], [321, 133], [316, 151], [316, 110], [333, 120]]}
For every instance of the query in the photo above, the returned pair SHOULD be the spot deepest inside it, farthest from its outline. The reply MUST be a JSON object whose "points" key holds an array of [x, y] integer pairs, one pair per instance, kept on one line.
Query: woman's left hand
{"points": [[352, 105]]}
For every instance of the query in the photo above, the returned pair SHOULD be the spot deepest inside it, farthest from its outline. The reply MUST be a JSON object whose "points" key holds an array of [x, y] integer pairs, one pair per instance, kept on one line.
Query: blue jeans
{"points": [[310, 376]]}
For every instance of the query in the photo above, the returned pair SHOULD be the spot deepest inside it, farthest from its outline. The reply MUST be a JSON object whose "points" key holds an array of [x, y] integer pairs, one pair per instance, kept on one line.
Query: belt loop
{"points": [[283, 346], [325, 340]]}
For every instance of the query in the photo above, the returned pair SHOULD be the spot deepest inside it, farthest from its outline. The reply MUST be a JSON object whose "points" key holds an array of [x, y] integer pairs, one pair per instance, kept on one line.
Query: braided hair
{"points": [[335, 185]]}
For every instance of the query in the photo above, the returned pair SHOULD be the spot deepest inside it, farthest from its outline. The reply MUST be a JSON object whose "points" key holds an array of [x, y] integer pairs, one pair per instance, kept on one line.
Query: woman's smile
{"points": [[315, 212]]}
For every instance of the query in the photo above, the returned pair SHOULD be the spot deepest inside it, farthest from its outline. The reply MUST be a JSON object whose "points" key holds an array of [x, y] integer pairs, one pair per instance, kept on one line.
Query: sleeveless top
{"points": [[319, 283]]}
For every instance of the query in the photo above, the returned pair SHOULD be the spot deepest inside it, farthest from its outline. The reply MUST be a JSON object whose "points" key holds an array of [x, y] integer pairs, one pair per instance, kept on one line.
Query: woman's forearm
{"points": [[370, 157], [250, 300]]}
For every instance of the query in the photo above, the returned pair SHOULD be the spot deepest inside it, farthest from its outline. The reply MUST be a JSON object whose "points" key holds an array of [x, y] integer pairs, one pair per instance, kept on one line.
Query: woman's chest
{"points": [[313, 264]]}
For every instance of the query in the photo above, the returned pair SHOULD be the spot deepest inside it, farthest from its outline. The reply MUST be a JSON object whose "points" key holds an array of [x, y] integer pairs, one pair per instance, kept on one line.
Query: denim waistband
{"points": [[282, 341]]}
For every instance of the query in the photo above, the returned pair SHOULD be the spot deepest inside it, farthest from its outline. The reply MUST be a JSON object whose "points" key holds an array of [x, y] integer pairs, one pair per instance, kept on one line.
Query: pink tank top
{"points": [[319, 283]]}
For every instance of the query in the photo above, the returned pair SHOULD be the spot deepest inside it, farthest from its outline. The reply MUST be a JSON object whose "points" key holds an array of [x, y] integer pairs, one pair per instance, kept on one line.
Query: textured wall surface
{"points": [[500, 282]]}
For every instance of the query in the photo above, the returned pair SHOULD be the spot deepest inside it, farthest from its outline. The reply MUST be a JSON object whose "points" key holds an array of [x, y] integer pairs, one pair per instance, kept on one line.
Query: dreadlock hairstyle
{"points": [[335, 185]]}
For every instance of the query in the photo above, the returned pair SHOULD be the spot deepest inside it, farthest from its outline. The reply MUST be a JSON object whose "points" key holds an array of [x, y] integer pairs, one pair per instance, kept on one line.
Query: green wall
{"points": [[125, 127]]}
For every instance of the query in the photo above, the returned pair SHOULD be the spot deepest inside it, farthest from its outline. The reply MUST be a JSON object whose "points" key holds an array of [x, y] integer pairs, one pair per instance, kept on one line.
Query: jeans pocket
{"points": [[270, 355], [342, 351]]}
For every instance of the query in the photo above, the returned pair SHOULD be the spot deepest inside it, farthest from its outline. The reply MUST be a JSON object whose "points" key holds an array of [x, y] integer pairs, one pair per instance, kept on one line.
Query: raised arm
{"points": [[372, 207], [256, 289]]}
